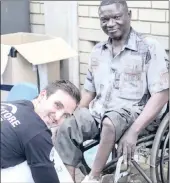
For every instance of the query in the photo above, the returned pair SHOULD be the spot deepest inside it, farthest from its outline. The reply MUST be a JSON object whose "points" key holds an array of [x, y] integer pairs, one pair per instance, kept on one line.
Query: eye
{"points": [[66, 115], [104, 20], [117, 17], [59, 105]]}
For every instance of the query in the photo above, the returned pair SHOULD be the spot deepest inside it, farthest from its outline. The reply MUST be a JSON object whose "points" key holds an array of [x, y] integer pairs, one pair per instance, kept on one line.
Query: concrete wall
{"points": [[149, 17], [37, 21]]}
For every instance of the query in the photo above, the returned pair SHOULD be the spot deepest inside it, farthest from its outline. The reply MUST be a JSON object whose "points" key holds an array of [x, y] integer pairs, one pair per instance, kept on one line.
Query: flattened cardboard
{"points": [[42, 52], [39, 49]]}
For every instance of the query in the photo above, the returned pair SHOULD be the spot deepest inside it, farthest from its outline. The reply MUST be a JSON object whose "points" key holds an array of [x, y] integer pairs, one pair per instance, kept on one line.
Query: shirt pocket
{"points": [[132, 78], [131, 86]]}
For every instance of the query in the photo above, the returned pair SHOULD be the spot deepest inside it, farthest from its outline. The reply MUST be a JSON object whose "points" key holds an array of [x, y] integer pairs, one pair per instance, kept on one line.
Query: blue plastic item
{"points": [[21, 91], [90, 156]]}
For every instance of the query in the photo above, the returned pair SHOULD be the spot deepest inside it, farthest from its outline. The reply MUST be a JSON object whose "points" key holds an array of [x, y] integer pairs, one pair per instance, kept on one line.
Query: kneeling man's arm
{"points": [[39, 155]]}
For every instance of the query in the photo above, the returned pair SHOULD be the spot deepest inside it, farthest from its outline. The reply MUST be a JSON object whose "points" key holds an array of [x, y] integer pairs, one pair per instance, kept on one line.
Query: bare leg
{"points": [[105, 148], [71, 170]]}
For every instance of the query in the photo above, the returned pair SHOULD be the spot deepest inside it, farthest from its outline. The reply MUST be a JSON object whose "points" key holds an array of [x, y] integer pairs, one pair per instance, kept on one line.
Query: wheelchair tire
{"points": [[161, 132]]}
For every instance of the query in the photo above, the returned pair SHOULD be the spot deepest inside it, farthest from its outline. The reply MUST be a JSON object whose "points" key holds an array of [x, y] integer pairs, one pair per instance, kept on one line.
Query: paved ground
{"points": [[135, 177]]}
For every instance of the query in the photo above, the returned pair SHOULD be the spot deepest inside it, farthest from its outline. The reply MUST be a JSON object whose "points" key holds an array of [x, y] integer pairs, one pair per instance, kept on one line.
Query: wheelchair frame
{"points": [[153, 142]]}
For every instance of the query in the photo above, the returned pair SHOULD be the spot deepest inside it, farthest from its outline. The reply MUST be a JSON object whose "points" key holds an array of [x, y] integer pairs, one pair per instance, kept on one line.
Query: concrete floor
{"points": [[136, 177]]}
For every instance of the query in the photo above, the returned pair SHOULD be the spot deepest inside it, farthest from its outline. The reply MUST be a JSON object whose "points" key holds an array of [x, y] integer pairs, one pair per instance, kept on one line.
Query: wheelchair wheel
{"points": [[160, 153]]}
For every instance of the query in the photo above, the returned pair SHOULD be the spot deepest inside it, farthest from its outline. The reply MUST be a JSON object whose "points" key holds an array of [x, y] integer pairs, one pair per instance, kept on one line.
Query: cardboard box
{"points": [[28, 50]]}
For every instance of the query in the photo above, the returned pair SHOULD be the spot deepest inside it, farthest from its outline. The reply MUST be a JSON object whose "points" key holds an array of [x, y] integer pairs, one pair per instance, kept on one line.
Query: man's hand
{"points": [[127, 145], [151, 110]]}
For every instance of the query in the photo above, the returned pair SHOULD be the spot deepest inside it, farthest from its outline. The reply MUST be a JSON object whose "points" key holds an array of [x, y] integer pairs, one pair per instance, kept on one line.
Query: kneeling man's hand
{"points": [[127, 145]]}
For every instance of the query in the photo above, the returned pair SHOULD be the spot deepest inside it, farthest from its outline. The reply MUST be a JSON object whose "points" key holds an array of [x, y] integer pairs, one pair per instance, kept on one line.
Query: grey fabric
{"points": [[122, 120], [128, 79], [139, 70], [72, 133], [81, 127]]}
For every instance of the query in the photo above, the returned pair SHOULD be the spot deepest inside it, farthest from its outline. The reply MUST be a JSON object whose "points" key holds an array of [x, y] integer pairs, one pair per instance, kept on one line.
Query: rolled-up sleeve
{"points": [[158, 69]]}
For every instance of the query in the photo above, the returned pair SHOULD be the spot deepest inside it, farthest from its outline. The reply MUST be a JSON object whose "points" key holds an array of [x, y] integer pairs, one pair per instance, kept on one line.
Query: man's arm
{"points": [[38, 154], [89, 90], [87, 97], [44, 174], [151, 111], [158, 87], [153, 107]]}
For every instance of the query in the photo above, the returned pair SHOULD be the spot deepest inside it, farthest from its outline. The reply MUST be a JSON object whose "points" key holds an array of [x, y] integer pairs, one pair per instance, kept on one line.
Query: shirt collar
{"points": [[131, 42]]}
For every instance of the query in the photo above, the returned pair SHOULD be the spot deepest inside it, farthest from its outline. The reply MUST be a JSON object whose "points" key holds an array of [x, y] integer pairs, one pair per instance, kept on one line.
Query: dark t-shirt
{"points": [[25, 137]]}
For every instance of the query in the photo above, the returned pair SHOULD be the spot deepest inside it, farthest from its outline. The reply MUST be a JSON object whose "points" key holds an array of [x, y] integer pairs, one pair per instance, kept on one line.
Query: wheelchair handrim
{"points": [[156, 146]]}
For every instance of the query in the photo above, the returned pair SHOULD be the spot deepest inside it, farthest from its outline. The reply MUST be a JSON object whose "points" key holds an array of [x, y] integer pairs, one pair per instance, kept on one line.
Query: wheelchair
{"points": [[158, 144]]}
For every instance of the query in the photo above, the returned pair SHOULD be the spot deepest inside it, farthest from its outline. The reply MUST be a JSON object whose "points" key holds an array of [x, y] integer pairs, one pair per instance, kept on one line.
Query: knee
{"points": [[108, 124]]}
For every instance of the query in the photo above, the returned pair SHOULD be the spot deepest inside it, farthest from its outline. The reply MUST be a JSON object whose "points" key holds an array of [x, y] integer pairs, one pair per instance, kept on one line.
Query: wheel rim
{"points": [[163, 160], [156, 160]]}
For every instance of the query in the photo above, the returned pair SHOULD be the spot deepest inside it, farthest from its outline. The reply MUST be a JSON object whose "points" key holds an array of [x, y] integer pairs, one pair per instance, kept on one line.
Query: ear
{"points": [[42, 95], [130, 14]]}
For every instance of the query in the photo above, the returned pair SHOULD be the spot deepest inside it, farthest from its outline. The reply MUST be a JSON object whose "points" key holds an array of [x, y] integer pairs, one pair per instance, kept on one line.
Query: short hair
{"points": [[109, 2], [66, 86]]}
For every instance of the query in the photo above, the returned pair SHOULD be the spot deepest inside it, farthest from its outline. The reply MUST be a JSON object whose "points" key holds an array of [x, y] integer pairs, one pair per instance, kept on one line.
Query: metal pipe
{"points": [[136, 165], [144, 139], [110, 163], [162, 158]]}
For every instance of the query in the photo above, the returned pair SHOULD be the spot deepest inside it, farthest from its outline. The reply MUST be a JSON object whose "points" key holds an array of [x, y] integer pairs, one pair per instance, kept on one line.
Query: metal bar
{"points": [[136, 165], [110, 163], [162, 158], [168, 172], [90, 145], [145, 139]]}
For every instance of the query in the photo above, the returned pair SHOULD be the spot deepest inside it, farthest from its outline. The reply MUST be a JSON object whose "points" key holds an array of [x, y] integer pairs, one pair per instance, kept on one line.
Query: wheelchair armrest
{"points": [[89, 144]]}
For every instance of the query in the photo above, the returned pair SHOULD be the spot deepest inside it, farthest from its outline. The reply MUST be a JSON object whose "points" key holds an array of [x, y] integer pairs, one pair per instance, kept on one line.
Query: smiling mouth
{"points": [[113, 30]]}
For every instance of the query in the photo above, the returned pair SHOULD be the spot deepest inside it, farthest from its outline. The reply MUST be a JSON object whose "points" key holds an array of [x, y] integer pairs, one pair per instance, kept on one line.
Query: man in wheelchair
{"points": [[125, 89]]}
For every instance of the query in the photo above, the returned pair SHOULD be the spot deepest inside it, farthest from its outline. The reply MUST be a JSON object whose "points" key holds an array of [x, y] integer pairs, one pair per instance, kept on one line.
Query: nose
{"points": [[111, 22]]}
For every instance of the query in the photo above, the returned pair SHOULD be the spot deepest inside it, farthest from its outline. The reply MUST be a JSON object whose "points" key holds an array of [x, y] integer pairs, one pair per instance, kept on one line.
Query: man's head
{"points": [[115, 18], [57, 102]]}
